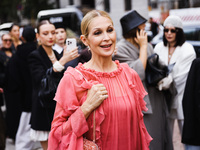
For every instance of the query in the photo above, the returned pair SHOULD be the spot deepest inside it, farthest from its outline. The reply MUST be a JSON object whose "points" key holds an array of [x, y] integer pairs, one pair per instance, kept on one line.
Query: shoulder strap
{"points": [[81, 74], [94, 124]]}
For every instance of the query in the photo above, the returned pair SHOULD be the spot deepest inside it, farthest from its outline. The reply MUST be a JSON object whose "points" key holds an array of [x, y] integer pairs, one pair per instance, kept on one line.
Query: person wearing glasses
{"points": [[5, 54], [174, 49]]}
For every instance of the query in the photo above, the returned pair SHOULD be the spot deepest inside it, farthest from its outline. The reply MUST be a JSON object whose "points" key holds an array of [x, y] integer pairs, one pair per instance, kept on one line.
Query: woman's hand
{"points": [[69, 55], [141, 39], [95, 96], [142, 42]]}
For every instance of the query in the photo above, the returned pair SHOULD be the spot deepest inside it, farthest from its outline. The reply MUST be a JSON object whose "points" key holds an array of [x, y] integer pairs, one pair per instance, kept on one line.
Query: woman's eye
{"points": [[45, 33], [110, 30], [97, 32]]}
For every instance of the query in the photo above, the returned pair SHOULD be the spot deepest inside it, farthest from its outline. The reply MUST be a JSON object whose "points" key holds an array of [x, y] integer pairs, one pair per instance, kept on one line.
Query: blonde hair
{"points": [[87, 19]]}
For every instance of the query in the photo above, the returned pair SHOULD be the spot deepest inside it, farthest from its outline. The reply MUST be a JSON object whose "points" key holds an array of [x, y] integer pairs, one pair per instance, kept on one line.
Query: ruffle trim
{"points": [[141, 105], [92, 79], [102, 74], [139, 94]]}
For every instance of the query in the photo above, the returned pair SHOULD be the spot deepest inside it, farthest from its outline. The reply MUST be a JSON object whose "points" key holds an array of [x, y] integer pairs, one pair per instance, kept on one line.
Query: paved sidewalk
{"points": [[11, 146]]}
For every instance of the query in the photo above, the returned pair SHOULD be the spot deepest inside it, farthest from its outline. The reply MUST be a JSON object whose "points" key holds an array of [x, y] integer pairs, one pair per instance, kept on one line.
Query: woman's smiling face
{"points": [[102, 37]]}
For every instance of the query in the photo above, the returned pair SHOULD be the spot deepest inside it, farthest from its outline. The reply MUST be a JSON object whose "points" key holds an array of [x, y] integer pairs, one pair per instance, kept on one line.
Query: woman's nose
{"points": [[106, 36]]}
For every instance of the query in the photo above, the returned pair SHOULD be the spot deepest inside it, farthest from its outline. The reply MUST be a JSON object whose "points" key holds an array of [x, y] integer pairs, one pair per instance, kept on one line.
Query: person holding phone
{"points": [[46, 69], [60, 44], [134, 50]]}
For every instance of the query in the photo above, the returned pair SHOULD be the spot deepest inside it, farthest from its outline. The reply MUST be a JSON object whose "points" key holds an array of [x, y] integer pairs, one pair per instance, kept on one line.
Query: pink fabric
{"points": [[119, 119]]}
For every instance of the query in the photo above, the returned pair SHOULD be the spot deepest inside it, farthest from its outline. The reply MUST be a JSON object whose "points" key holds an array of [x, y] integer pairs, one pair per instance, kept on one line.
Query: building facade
{"points": [[116, 8]]}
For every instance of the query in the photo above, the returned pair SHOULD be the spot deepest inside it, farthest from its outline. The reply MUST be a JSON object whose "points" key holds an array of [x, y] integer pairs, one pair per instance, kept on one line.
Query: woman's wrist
{"points": [[57, 67], [63, 61], [86, 109]]}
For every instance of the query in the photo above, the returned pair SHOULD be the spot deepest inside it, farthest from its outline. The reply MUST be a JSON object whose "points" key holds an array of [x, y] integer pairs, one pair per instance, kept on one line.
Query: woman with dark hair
{"points": [[15, 33], [174, 49], [134, 50], [46, 68]]}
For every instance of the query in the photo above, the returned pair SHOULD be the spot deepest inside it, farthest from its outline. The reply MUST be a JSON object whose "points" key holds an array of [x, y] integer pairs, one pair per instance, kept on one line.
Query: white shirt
{"points": [[58, 48]]}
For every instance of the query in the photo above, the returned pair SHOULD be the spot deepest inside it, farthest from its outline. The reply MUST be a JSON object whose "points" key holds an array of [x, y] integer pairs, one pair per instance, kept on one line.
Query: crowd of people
{"points": [[63, 99]]}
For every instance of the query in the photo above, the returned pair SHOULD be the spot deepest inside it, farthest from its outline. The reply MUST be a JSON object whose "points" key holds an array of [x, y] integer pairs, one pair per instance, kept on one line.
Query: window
{"points": [[71, 2], [127, 4], [107, 5]]}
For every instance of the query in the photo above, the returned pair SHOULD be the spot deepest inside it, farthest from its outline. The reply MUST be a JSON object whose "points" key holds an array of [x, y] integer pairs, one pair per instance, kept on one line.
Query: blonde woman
{"points": [[112, 89]]}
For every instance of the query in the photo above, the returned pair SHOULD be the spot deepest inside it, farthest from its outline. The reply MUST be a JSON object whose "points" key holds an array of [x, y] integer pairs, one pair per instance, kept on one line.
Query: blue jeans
{"points": [[191, 147]]}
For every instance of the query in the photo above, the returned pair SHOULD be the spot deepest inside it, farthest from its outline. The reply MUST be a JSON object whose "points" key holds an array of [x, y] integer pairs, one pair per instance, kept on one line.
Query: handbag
{"points": [[88, 144], [155, 71], [48, 88]]}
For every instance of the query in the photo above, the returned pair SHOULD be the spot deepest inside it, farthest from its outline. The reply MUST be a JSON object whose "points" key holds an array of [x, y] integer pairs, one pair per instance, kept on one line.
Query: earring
{"points": [[88, 48], [39, 42]]}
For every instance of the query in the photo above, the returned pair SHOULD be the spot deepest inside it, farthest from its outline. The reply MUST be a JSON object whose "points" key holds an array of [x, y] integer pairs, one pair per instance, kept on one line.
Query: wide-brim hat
{"points": [[131, 20]]}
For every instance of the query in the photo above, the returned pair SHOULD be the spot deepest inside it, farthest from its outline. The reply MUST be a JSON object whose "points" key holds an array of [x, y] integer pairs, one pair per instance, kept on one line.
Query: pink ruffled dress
{"points": [[119, 119]]}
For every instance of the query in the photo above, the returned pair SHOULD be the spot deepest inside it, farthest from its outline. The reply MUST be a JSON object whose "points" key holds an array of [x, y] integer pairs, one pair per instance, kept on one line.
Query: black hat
{"points": [[29, 34], [59, 25], [131, 20]]}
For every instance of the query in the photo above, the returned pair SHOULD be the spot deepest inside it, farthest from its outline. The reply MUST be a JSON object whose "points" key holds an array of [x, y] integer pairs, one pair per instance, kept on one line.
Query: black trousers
{"points": [[2, 131]]}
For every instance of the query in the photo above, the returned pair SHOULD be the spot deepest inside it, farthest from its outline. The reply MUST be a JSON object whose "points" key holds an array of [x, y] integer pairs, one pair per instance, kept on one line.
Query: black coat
{"points": [[3, 63], [191, 106], [41, 68], [12, 101], [20, 60]]}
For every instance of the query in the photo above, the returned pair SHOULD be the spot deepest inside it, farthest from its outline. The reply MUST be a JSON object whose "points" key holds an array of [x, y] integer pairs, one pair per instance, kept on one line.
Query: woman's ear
{"points": [[84, 40]]}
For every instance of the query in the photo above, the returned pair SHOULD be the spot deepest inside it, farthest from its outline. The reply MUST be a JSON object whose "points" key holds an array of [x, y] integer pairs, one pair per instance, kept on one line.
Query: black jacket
{"points": [[3, 63], [191, 106], [41, 70], [20, 60]]}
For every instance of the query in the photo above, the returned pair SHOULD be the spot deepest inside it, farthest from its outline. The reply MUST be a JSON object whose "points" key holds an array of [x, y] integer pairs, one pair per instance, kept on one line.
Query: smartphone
{"points": [[71, 44]]}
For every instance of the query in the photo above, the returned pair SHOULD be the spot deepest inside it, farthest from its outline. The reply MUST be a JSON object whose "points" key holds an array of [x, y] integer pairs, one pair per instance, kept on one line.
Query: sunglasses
{"points": [[171, 30], [7, 40]]}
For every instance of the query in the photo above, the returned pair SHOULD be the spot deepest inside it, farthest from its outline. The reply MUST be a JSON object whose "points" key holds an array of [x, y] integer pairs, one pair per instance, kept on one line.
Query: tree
{"points": [[32, 7], [9, 9]]}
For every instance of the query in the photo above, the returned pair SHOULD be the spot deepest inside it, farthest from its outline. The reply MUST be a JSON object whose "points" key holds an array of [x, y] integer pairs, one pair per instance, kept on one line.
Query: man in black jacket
{"points": [[191, 108], [24, 87]]}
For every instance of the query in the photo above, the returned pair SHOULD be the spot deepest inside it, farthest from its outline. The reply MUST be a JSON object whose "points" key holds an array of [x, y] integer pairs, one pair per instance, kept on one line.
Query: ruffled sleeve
{"points": [[136, 85], [139, 93], [69, 123]]}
